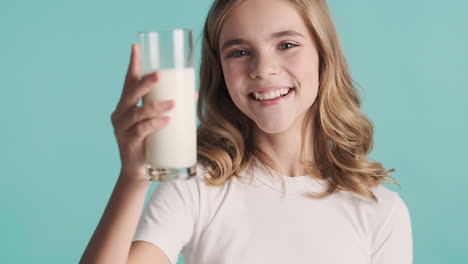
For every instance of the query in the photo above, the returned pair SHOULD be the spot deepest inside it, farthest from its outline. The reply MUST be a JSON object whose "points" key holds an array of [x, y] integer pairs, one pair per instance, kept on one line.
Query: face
{"points": [[270, 63]]}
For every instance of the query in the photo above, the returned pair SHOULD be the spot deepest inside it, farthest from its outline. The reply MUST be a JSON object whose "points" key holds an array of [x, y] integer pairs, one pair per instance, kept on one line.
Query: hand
{"points": [[132, 123]]}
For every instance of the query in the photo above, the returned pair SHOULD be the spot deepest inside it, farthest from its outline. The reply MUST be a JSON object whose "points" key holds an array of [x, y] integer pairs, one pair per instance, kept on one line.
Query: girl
{"points": [[283, 173]]}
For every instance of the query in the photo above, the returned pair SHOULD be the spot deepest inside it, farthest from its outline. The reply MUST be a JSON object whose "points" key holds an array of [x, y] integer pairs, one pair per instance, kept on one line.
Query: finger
{"points": [[196, 95], [132, 76], [133, 72], [146, 127], [142, 88], [147, 111], [129, 100]]}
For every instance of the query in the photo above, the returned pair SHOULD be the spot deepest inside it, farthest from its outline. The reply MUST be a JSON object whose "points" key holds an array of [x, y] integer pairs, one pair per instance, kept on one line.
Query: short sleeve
{"points": [[393, 242], [169, 217]]}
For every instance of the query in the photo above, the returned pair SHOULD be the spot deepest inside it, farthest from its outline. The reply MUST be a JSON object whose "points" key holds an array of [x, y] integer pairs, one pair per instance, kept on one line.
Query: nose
{"points": [[264, 65]]}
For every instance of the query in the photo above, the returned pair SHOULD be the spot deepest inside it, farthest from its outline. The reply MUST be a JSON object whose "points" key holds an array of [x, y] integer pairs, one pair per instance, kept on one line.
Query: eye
{"points": [[237, 53], [288, 45]]}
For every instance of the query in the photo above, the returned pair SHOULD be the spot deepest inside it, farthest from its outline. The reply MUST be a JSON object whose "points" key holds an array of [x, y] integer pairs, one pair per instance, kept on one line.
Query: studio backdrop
{"points": [[62, 67]]}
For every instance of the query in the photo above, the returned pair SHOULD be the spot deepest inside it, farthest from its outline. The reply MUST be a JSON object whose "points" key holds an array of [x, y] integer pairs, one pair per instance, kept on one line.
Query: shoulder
{"points": [[391, 206], [391, 226], [388, 203], [388, 200], [183, 191], [373, 216]]}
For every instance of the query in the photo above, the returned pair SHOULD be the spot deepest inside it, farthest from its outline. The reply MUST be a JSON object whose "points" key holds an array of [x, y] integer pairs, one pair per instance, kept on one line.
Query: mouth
{"points": [[270, 96]]}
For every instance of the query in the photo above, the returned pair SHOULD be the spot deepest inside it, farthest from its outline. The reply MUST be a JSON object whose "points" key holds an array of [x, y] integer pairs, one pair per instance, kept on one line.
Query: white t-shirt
{"points": [[252, 223]]}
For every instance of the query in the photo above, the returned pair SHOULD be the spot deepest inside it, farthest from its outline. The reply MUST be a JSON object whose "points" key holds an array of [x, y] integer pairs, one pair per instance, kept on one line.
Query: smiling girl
{"points": [[283, 174]]}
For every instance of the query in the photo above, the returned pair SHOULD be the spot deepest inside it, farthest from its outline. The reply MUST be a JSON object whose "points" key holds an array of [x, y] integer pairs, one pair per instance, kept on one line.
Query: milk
{"points": [[174, 146]]}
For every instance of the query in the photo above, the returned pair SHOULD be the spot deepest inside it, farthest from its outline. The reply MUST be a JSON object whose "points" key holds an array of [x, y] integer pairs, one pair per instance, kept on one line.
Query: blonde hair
{"points": [[343, 135]]}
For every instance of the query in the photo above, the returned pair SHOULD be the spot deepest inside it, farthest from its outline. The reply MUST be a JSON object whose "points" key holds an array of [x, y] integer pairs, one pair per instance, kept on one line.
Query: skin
{"points": [[261, 61]]}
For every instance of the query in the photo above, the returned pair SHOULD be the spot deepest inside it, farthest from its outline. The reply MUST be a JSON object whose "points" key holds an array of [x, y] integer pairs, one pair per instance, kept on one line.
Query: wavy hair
{"points": [[343, 135]]}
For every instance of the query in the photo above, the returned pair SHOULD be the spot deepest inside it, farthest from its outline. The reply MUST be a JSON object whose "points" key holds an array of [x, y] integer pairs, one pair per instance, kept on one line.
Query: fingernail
{"points": [[154, 77]]}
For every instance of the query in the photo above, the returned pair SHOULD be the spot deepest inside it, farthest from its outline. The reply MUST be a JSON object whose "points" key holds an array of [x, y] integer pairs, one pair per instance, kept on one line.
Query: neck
{"points": [[285, 148]]}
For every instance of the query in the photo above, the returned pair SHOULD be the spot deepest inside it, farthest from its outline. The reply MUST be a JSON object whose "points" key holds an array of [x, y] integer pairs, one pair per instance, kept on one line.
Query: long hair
{"points": [[342, 134]]}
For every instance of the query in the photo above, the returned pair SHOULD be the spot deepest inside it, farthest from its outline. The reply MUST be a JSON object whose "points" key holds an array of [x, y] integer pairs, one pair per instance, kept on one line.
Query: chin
{"points": [[274, 127]]}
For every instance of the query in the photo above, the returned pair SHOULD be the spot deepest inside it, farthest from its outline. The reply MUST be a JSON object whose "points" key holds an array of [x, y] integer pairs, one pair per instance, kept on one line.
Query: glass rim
{"points": [[163, 30]]}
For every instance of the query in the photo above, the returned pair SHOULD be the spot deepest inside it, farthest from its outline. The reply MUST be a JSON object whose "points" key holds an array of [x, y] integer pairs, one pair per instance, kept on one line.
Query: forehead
{"points": [[258, 19]]}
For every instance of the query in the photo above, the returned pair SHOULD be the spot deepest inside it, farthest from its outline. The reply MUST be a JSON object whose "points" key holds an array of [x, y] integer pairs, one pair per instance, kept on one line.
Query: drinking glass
{"points": [[171, 152]]}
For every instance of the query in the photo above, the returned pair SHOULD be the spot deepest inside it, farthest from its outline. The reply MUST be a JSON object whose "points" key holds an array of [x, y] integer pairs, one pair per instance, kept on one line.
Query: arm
{"points": [[112, 239]]}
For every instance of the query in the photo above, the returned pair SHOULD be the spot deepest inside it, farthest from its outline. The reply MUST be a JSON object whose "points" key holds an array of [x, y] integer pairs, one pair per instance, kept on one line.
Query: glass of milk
{"points": [[171, 152]]}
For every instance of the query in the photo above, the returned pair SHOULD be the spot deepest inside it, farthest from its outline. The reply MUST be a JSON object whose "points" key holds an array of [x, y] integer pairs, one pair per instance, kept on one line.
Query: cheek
{"points": [[306, 69], [233, 78], [231, 73]]}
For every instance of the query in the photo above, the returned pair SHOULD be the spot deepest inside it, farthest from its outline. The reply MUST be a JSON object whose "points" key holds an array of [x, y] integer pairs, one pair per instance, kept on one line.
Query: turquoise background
{"points": [[62, 68]]}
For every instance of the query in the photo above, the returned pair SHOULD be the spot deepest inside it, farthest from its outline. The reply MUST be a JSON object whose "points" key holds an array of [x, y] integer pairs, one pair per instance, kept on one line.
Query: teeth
{"points": [[271, 95]]}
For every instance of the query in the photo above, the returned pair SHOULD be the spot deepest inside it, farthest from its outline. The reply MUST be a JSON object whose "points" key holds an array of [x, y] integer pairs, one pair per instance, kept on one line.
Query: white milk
{"points": [[175, 145]]}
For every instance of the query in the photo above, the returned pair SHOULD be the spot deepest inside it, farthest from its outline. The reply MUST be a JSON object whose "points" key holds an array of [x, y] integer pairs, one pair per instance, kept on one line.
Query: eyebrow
{"points": [[275, 35]]}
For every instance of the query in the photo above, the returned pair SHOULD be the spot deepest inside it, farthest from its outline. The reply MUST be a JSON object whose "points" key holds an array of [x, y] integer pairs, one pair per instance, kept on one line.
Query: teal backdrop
{"points": [[62, 68]]}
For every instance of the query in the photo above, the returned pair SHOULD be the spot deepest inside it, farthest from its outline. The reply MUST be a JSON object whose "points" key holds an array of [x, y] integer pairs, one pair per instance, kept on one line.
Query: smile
{"points": [[271, 98], [270, 95]]}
